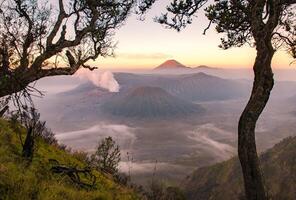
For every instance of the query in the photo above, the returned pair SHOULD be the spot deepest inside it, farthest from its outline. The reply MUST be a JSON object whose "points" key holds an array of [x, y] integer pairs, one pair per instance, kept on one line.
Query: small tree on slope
{"points": [[107, 156]]}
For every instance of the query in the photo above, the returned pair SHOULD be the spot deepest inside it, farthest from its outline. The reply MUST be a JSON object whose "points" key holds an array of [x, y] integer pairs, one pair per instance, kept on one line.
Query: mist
{"points": [[88, 139], [178, 145]]}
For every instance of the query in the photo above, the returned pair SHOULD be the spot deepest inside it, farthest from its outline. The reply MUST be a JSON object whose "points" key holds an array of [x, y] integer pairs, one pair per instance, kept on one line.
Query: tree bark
{"points": [[17, 81], [28, 147], [262, 86], [3, 110]]}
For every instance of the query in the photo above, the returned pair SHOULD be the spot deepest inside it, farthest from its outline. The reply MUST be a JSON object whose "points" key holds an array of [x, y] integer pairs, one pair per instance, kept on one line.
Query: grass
{"points": [[22, 180]]}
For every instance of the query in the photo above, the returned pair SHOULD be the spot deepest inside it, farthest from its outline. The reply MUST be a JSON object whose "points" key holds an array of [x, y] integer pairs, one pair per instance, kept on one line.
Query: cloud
{"points": [[104, 80], [147, 167], [87, 139], [144, 56], [209, 137]]}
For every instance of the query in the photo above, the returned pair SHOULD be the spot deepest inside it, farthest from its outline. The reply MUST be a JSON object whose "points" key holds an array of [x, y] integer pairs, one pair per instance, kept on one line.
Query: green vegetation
{"points": [[159, 191], [225, 181], [24, 180], [107, 156]]}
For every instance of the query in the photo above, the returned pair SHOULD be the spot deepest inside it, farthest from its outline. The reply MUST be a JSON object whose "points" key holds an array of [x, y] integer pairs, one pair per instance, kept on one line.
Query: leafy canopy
{"points": [[241, 22]]}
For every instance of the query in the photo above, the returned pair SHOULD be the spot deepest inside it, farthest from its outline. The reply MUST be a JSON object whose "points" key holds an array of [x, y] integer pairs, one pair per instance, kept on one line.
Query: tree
{"points": [[264, 24], [29, 118], [39, 39], [107, 156]]}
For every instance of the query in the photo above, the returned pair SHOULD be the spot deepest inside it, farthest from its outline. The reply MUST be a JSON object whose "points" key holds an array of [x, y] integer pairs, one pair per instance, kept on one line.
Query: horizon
{"points": [[151, 67], [98, 100], [146, 44]]}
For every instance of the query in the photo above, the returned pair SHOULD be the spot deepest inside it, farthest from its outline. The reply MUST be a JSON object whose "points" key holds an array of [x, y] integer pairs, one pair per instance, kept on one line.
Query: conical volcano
{"points": [[171, 65], [150, 102]]}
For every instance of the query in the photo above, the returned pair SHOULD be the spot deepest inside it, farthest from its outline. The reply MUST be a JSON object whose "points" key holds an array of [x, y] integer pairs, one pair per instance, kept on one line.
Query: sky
{"points": [[146, 44]]}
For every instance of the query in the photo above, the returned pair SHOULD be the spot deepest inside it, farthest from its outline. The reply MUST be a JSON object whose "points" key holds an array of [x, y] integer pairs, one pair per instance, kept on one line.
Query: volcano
{"points": [[171, 65], [150, 102]]}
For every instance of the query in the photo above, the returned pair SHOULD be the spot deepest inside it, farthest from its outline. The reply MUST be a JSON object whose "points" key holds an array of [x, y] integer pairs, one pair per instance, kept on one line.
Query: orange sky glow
{"points": [[146, 44]]}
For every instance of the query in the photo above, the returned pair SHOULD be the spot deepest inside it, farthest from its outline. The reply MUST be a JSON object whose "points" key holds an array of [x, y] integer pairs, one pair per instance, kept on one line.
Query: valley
{"points": [[168, 122]]}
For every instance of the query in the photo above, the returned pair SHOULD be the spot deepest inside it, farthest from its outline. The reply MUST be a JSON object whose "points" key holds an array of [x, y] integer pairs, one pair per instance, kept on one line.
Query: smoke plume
{"points": [[104, 80]]}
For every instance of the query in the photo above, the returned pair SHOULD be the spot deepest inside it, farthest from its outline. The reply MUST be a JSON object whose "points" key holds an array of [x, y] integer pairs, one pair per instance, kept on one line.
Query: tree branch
{"points": [[62, 15]]}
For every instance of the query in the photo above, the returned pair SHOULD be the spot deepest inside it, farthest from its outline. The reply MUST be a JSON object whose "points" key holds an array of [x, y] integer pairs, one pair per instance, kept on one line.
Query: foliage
{"points": [[158, 191], [36, 181], [235, 19], [41, 38], [107, 156], [29, 118]]}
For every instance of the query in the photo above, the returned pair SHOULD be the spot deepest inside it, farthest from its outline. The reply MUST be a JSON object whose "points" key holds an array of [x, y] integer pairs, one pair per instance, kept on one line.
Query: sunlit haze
{"points": [[146, 44]]}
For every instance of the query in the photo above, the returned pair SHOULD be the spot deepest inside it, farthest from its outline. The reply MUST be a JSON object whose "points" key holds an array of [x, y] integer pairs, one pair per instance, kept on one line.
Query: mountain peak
{"points": [[171, 64], [204, 67]]}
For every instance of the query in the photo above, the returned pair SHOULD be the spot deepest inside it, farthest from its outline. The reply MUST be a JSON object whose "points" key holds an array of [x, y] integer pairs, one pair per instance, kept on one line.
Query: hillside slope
{"points": [[22, 181], [224, 180]]}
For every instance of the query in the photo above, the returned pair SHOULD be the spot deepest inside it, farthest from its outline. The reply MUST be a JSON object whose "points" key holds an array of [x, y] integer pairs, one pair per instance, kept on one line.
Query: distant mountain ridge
{"points": [[190, 87], [183, 90], [205, 67], [204, 87]]}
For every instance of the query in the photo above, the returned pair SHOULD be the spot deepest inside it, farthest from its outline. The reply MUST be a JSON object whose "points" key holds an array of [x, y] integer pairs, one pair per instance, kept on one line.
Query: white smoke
{"points": [[104, 80]]}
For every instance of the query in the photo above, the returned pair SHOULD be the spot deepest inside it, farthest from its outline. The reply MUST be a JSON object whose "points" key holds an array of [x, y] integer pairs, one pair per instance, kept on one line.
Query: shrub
{"points": [[107, 156]]}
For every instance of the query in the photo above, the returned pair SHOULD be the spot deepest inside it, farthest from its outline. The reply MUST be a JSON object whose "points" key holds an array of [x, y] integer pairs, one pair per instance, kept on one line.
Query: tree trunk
{"points": [[9, 86], [3, 110], [262, 86], [28, 147]]}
